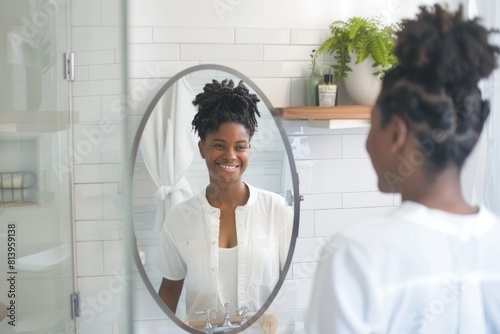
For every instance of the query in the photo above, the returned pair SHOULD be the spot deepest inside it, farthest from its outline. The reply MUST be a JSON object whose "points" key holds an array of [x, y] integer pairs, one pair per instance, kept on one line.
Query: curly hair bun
{"points": [[434, 88], [222, 102], [440, 45], [215, 92]]}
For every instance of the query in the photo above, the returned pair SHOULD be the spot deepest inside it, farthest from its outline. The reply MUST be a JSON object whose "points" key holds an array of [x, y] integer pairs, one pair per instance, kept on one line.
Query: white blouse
{"points": [[415, 270], [189, 249]]}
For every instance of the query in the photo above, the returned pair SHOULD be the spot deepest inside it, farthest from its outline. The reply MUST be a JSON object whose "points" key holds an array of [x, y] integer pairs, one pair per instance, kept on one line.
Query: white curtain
{"points": [[481, 175], [168, 146]]}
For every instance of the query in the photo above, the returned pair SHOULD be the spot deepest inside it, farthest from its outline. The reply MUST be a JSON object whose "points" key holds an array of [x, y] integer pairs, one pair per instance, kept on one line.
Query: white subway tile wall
{"points": [[89, 256], [94, 57], [277, 89], [97, 155], [268, 41], [87, 230], [105, 72], [86, 13], [306, 226], [309, 36], [140, 35], [351, 145], [88, 108], [88, 201], [101, 303], [113, 256], [221, 52], [94, 38], [153, 52], [193, 35], [82, 72], [366, 200], [97, 173], [262, 36]]}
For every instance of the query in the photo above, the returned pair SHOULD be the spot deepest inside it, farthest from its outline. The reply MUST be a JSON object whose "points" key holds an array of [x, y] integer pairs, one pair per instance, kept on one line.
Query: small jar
{"points": [[327, 92]]}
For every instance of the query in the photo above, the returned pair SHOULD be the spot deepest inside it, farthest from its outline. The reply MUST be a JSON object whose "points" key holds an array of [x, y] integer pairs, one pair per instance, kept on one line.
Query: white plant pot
{"points": [[361, 85]]}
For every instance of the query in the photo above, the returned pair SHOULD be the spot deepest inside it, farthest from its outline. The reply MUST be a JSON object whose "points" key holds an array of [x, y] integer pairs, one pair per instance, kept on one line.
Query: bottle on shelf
{"points": [[327, 91]]}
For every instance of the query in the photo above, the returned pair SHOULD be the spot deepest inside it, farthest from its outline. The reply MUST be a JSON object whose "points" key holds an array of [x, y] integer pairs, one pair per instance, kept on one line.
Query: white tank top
{"points": [[228, 280]]}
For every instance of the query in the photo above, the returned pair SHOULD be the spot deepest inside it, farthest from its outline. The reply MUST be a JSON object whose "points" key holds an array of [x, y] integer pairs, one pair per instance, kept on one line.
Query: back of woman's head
{"points": [[434, 88], [222, 102]]}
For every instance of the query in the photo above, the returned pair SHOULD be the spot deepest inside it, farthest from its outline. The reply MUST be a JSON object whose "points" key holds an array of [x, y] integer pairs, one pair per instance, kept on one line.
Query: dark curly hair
{"points": [[434, 88], [221, 102]]}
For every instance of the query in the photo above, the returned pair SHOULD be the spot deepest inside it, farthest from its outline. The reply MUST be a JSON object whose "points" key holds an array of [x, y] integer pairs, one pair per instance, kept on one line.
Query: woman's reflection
{"points": [[229, 243]]}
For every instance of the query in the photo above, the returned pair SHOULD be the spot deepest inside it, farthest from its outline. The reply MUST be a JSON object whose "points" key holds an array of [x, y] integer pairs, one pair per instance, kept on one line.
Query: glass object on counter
{"points": [[312, 83]]}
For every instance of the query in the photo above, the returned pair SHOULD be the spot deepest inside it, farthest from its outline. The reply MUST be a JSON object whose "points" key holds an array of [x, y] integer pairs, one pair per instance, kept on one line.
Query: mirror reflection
{"points": [[213, 215]]}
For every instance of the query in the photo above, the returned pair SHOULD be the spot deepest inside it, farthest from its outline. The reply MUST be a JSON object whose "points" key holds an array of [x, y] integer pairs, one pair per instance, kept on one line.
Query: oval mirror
{"points": [[168, 169]]}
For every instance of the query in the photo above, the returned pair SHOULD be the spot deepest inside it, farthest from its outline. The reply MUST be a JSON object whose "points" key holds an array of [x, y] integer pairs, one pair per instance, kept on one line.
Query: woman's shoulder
{"points": [[191, 201], [190, 205]]}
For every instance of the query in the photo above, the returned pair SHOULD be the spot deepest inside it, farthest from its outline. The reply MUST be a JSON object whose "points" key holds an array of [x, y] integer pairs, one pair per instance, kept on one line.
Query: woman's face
{"points": [[226, 152]]}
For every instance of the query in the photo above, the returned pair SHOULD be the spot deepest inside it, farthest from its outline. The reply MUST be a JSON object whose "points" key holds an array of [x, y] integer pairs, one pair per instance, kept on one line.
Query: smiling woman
{"points": [[225, 250], [209, 241]]}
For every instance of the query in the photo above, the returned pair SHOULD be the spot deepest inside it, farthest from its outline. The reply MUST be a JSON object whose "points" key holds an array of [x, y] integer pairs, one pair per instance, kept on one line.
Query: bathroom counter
{"points": [[337, 117]]}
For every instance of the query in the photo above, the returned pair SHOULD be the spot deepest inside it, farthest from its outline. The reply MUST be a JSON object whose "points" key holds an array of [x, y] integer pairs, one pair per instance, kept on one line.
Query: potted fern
{"points": [[360, 42]]}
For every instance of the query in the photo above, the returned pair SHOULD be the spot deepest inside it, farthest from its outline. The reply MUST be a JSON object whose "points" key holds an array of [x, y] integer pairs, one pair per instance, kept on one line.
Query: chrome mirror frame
{"points": [[295, 198]]}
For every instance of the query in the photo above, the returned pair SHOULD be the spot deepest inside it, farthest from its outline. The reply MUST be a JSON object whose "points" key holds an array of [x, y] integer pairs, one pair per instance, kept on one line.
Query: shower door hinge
{"points": [[69, 66], [75, 305]]}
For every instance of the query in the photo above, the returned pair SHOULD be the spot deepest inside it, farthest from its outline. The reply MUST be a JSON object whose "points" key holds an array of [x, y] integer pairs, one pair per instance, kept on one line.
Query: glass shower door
{"points": [[36, 252]]}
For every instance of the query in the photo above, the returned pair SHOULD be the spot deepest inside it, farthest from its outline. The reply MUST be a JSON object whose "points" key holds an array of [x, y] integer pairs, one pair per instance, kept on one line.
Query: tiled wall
{"points": [[98, 156], [268, 41]]}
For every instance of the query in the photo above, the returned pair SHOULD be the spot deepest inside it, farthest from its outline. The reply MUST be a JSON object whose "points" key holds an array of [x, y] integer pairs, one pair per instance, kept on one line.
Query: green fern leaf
{"points": [[378, 51], [341, 67], [362, 48], [355, 24]]}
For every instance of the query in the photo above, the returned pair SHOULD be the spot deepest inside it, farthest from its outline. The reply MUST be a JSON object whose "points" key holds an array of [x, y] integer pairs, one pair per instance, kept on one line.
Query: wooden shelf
{"points": [[326, 113]]}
